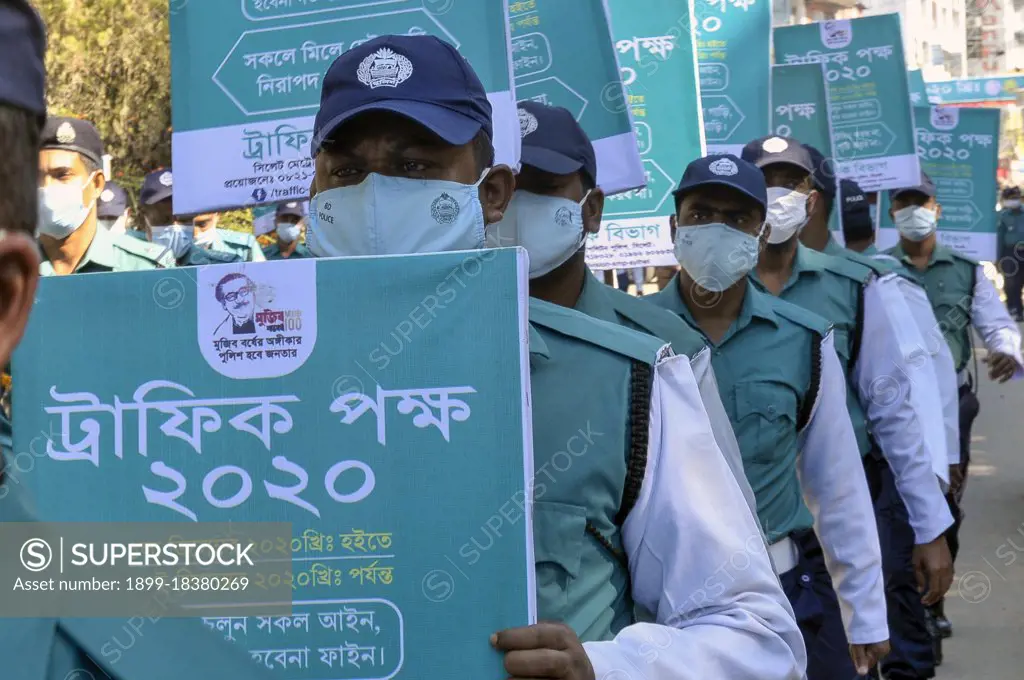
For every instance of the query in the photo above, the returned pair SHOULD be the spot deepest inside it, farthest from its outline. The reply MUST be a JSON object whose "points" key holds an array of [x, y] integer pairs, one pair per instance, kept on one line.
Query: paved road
{"points": [[986, 603]]}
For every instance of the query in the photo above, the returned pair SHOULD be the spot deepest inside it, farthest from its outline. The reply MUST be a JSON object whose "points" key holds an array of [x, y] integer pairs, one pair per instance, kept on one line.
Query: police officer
{"points": [[404, 164], [113, 213], [1010, 249], [207, 236], [556, 205], [786, 396], [891, 386], [288, 221], [174, 235], [58, 648], [916, 638], [962, 297], [70, 184]]}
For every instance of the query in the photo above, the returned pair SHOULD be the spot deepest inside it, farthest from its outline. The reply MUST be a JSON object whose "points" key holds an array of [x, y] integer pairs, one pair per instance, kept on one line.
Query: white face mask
{"points": [[396, 216], [177, 237], [715, 255], [915, 223], [62, 210], [549, 227], [787, 213], [205, 237], [1011, 203], [115, 225], [288, 233]]}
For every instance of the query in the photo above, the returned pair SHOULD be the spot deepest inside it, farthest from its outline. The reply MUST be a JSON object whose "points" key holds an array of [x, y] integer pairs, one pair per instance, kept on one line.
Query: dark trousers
{"points": [[969, 408], [809, 589], [1011, 266], [913, 647]]}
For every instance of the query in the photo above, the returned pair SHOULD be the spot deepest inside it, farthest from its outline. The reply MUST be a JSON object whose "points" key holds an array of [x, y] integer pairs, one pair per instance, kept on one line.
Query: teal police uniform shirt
{"points": [[1010, 228], [949, 282], [580, 373], [763, 367], [237, 243], [116, 253], [273, 252], [832, 288]]}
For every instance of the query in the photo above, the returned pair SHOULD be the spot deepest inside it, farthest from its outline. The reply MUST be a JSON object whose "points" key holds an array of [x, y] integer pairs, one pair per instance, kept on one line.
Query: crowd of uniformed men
{"points": [[784, 398]]}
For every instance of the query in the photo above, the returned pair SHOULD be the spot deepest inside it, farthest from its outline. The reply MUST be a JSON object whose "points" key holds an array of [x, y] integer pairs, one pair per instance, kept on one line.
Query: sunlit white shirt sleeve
{"points": [[836, 492], [697, 561], [905, 430], [721, 427], [943, 367], [989, 316]]}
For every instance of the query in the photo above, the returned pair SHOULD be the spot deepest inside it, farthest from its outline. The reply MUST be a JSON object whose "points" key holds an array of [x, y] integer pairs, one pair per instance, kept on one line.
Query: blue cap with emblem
{"points": [[926, 187], [73, 134], [554, 142], [157, 186], [293, 208], [113, 202], [22, 53], [772, 150], [725, 170], [417, 76]]}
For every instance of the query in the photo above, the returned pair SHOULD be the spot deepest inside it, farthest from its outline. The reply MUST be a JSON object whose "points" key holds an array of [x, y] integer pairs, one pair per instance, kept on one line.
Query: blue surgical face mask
{"points": [[396, 216], [288, 233], [177, 237], [62, 210], [715, 255], [915, 223], [549, 227]]}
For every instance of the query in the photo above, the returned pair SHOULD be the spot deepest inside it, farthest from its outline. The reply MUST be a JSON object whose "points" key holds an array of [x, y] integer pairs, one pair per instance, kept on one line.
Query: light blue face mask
{"points": [[61, 209], [396, 216], [549, 227], [177, 237], [287, 232], [915, 223], [715, 255]]}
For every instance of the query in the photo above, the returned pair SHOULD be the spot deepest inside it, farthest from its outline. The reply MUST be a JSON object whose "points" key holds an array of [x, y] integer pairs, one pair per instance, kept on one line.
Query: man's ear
{"points": [[593, 211], [96, 185], [938, 211], [813, 202], [672, 226], [19, 274], [496, 192]]}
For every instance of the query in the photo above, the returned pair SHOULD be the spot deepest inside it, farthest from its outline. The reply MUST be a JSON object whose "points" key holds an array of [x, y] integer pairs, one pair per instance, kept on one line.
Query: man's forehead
{"points": [[720, 197], [59, 158]]}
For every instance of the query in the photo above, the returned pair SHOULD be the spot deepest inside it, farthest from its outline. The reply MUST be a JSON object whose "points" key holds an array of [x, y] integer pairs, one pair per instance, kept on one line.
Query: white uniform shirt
{"points": [[697, 560]]}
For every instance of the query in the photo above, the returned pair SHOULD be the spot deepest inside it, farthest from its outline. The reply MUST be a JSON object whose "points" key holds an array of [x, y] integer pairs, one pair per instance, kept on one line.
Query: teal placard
{"points": [[549, 41], [389, 428], [657, 56], [872, 122], [246, 79], [734, 57], [993, 91], [800, 110], [959, 149]]}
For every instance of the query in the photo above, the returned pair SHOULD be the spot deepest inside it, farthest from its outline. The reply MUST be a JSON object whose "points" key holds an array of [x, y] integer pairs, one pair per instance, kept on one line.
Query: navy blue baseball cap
{"points": [[824, 173], [293, 208], [418, 76], [772, 150], [554, 142], [853, 197], [724, 170], [72, 134], [157, 186], [113, 201], [22, 56], [926, 187]]}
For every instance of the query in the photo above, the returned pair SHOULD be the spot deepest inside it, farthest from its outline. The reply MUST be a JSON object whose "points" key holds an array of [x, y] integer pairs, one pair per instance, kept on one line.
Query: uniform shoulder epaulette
{"points": [[613, 337], [657, 321], [841, 266], [800, 316], [238, 238], [154, 252], [880, 267], [963, 258]]}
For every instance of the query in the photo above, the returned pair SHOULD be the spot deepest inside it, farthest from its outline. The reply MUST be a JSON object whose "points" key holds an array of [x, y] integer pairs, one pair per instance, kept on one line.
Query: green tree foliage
{"points": [[109, 62]]}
